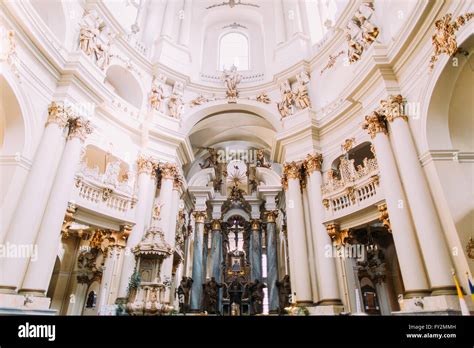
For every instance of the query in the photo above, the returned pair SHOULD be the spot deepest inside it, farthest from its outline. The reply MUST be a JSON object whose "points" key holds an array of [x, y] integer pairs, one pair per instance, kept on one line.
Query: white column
{"points": [[146, 192], [39, 271], [280, 33], [325, 266], [309, 246], [34, 197], [406, 243], [428, 226], [185, 30], [167, 221], [296, 236], [169, 20]]}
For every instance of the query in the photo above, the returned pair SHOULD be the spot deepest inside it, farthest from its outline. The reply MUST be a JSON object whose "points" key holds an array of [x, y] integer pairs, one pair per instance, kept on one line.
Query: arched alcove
{"points": [[125, 85]]}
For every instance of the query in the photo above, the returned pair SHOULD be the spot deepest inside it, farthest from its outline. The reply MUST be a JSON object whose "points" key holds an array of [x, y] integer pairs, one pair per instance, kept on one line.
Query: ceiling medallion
{"points": [[232, 4]]}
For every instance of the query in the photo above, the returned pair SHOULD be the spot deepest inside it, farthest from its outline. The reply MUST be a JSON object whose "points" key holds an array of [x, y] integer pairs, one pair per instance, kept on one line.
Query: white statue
{"points": [[231, 79], [175, 101], [156, 97], [90, 30], [111, 175], [285, 107], [300, 91]]}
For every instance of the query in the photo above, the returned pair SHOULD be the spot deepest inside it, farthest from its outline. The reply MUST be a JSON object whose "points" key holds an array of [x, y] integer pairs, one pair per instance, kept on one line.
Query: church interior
{"points": [[236, 157]]}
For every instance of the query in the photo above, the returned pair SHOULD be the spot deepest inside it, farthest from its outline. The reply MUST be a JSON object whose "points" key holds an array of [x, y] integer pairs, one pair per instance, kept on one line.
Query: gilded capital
{"points": [[270, 215], [200, 216], [255, 225], [374, 123], [168, 170], [292, 171], [393, 108], [312, 163], [146, 165], [177, 182], [79, 128], [58, 113], [216, 225]]}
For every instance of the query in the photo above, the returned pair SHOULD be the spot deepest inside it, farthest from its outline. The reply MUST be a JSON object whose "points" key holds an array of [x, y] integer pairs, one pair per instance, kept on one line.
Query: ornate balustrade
{"points": [[355, 189], [102, 194]]}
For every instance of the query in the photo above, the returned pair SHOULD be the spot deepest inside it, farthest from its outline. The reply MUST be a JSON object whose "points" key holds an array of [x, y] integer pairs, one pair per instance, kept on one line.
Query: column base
{"points": [[20, 304], [326, 309], [431, 305], [416, 293], [33, 292], [329, 302], [444, 290]]}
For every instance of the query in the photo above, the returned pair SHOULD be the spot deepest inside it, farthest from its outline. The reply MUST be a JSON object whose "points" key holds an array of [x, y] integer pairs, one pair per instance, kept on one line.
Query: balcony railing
{"points": [[355, 189], [103, 194]]}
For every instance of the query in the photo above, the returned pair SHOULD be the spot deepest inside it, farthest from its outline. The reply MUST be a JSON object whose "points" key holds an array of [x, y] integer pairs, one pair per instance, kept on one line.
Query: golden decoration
{"points": [[384, 217], [444, 38], [393, 108], [337, 236], [263, 98], [216, 225], [146, 165], [312, 163], [200, 216], [292, 170], [68, 219], [375, 123], [326, 203], [332, 60], [168, 170], [255, 225], [270, 215], [58, 113], [348, 145], [79, 128]]}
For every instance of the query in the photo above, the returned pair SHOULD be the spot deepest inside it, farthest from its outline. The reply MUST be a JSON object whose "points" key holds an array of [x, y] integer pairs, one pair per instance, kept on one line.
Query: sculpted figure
{"points": [[90, 30], [184, 291], [284, 292], [231, 79], [256, 296]]}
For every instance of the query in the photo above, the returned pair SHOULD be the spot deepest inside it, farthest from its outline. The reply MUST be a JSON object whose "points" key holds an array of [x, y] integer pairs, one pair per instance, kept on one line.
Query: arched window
{"points": [[234, 50]]}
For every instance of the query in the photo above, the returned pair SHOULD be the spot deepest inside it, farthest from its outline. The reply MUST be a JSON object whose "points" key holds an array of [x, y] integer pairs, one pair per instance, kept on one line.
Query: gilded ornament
{"points": [[375, 123], [79, 128], [384, 217], [58, 113], [200, 216], [313, 163], [393, 108]]}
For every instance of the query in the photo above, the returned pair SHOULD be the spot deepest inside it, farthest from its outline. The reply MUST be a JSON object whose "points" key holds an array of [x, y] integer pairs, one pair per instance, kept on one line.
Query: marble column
{"points": [[185, 30], [34, 197], [196, 290], [428, 226], [205, 254], [168, 203], [255, 251], [272, 260], [300, 280], [80, 294], [145, 193], [39, 271], [406, 243], [328, 289], [216, 251]]}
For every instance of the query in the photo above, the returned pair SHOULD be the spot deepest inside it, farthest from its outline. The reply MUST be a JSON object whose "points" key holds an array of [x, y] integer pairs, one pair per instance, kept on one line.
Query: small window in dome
{"points": [[234, 50]]}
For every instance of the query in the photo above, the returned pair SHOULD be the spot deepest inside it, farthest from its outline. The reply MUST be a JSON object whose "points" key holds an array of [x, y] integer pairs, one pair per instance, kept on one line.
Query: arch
{"points": [[202, 178], [238, 212], [268, 177], [122, 82], [434, 108], [234, 49], [267, 112], [53, 14]]}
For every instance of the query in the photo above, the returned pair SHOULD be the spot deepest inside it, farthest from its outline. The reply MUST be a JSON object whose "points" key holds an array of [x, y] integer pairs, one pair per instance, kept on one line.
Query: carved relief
{"points": [[300, 91], [285, 107], [79, 128], [175, 101], [231, 79], [375, 123]]}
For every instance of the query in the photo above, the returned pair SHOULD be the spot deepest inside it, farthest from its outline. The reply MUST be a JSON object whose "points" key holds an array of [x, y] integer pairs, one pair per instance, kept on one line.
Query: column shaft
{"points": [[34, 197], [216, 252], [406, 243], [185, 30], [328, 288], [255, 252], [196, 290], [145, 195], [297, 238], [39, 272], [428, 226], [272, 262]]}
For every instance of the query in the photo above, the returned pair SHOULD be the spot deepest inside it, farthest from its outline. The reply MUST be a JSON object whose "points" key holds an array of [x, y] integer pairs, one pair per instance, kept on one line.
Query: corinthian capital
{"points": [[292, 170], [58, 113], [200, 216], [168, 170], [375, 123], [79, 128], [312, 163], [146, 165], [393, 108]]}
